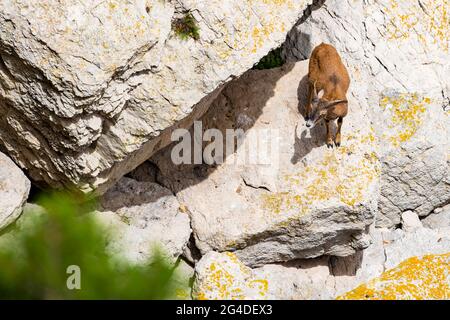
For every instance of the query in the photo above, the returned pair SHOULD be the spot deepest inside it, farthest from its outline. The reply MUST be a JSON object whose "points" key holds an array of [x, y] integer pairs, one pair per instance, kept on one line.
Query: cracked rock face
{"points": [[224, 276], [302, 200], [398, 59], [89, 90], [14, 189]]}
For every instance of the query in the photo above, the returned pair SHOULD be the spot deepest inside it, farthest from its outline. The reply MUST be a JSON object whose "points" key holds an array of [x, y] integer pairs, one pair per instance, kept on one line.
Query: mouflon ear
{"points": [[315, 94], [320, 94]]}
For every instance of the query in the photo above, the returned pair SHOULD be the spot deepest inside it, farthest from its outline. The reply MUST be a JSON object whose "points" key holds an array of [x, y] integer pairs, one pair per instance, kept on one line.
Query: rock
{"points": [[388, 249], [438, 210], [140, 217], [439, 219], [397, 55], [31, 213], [410, 221], [298, 280], [418, 243], [182, 280], [303, 200], [417, 278], [89, 90], [14, 190], [224, 276]]}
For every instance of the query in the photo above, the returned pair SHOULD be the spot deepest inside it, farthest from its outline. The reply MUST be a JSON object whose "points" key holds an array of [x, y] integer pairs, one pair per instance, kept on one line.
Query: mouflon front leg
{"points": [[338, 133], [329, 138], [308, 107]]}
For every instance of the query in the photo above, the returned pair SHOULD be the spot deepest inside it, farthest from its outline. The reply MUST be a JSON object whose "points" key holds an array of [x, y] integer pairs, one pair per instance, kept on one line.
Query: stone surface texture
{"points": [[418, 278], [89, 90], [142, 217], [439, 219], [383, 266], [302, 200], [14, 190], [397, 53]]}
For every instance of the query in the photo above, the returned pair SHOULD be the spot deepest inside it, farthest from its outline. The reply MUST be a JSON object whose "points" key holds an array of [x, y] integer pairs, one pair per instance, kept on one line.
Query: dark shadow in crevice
{"points": [[296, 38], [223, 114], [345, 266]]}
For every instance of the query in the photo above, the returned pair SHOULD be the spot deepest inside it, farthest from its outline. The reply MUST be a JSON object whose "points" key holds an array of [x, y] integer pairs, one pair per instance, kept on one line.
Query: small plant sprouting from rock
{"points": [[186, 27], [272, 60]]}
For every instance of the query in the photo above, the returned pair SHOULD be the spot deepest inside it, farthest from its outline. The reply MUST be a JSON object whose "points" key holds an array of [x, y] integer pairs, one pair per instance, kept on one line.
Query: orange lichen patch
{"points": [[275, 202], [232, 257], [406, 115], [344, 174], [262, 285], [426, 277], [431, 21], [219, 281], [227, 278]]}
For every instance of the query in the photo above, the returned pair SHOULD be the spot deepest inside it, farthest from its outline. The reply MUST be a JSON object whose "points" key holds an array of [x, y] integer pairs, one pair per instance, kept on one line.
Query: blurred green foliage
{"points": [[35, 255], [186, 27], [272, 60]]}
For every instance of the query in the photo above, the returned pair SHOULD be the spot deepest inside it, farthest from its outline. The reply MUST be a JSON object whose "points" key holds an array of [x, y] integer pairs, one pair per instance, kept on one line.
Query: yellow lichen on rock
{"points": [[225, 277], [344, 174], [406, 115], [426, 277], [262, 285], [430, 22]]}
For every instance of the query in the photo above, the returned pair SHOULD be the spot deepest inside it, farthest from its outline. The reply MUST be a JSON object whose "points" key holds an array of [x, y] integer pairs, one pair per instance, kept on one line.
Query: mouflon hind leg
{"points": [[329, 138], [337, 141]]}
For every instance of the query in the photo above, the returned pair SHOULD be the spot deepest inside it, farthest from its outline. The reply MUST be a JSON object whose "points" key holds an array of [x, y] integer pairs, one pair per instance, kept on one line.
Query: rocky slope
{"points": [[295, 219], [89, 90], [397, 53], [304, 201], [224, 276], [142, 216]]}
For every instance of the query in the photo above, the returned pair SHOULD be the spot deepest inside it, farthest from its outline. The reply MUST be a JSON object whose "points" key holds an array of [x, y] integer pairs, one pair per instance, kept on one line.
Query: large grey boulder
{"points": [[440, 218], [141, 217], [303, 200], [14, 189], [89, 90], [224, 276], [398, 60]]}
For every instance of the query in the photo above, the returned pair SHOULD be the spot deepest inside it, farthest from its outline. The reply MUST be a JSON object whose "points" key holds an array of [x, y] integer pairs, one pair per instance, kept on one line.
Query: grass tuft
{"points": [[272, 60], [186, 27]]}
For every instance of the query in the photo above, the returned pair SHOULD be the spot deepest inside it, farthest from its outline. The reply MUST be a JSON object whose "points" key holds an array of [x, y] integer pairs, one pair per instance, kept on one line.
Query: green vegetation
{"points": [[272, 60], [186, 27], [36, 253]]}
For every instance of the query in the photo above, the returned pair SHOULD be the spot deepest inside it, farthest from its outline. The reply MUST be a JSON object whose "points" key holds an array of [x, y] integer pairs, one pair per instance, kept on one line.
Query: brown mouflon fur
{"points": [[328, 85]]}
